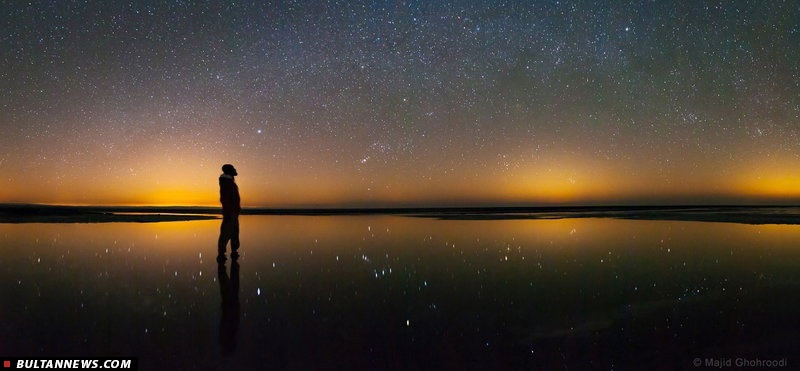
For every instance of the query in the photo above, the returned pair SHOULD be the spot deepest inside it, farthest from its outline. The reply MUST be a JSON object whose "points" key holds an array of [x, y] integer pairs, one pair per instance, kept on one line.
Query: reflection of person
{"points": [[231, 207], [229, 319]]}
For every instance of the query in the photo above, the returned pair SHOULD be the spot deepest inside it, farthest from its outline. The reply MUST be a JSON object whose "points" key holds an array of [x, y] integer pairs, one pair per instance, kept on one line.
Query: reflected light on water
{"points": [[389, 292]]}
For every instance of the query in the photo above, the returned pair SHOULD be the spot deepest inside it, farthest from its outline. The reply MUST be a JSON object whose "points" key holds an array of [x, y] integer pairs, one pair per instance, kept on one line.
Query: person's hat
{"points": [[229, 169]]}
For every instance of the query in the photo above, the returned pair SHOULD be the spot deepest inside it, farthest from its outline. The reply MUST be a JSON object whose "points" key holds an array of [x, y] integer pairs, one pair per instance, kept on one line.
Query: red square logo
{"points": [[6, 364]]}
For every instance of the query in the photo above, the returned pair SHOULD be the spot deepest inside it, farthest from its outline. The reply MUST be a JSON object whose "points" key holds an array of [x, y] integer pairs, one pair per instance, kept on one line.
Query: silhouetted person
{"points": [[231, 207], [229, 319]]}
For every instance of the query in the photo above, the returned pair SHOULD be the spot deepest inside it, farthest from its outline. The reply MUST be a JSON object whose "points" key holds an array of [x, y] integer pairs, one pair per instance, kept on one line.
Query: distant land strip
{"points": [[719, 214], [756, 214], [31, 213]]}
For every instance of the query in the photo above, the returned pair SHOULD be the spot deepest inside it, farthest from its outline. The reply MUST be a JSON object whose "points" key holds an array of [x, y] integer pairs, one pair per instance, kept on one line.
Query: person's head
{"points": [[229, 169]]}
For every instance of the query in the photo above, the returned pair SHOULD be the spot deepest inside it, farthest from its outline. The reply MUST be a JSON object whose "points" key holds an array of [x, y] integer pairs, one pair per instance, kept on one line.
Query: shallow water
{"points": [[393, 292]]}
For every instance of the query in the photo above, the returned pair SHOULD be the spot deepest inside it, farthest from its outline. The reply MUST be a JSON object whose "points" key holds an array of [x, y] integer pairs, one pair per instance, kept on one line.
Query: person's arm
{"points": [[226, 197], [237, 201]]}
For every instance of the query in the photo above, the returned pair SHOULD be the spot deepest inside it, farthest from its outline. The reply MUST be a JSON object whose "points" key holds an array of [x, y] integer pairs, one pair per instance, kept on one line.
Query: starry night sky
{"points": [[390, 103]]}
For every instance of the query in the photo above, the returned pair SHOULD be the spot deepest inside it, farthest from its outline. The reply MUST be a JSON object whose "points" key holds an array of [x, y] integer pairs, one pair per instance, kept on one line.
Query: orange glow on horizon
{"points": [[771, 178], [773, 186], [567, 180]]}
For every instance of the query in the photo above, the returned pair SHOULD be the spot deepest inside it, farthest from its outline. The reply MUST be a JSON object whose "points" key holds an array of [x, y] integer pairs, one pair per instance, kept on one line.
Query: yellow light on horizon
{"points": [[773, 186], [772, 177], [178, 197], [560, 185]]}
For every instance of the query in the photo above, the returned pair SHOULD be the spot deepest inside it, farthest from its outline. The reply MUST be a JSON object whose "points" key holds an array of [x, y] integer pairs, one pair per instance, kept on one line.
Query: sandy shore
{"points": [[719, 214], [20, 213], [26, 213]]}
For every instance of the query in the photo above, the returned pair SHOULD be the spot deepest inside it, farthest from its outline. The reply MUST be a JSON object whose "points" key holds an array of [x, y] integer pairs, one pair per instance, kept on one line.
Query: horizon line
{"points": [[407, 207]]}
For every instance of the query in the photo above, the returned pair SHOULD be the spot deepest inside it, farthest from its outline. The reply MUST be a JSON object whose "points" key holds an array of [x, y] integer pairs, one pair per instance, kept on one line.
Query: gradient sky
{"points": [[400, 103]]}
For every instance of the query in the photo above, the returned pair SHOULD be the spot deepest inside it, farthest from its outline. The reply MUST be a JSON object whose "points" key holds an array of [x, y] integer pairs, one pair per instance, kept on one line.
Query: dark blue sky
{"points": [[351, 103]]}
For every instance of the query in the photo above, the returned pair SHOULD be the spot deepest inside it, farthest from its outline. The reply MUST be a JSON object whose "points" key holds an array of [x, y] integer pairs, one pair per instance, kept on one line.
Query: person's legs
{"points": [[234, 236], [224, 235]]}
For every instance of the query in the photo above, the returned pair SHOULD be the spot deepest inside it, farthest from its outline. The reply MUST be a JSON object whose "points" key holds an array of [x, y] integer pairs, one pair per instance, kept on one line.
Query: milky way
{"points": [[400, 103]]}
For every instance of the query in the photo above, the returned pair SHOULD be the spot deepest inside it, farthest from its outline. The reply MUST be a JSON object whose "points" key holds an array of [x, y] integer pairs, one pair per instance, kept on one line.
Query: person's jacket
{"points": [[229, 196]]}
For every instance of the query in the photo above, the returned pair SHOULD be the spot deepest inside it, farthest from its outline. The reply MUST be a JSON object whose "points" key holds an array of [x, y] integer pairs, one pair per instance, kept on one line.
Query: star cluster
{"points": [[400, 103]]}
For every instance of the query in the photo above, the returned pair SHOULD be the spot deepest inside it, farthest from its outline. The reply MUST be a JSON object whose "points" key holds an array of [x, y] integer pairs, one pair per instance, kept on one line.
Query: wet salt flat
{"points": [[397, 292]]}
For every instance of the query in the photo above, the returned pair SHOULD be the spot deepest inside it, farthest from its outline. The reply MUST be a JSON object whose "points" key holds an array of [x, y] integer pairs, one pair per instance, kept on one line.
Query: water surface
{"points": [[395, 292]]}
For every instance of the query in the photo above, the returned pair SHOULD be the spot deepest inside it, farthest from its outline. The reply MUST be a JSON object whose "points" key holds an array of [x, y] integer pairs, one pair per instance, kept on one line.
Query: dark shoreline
{"points": [[31, 213], [756, 214]]}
